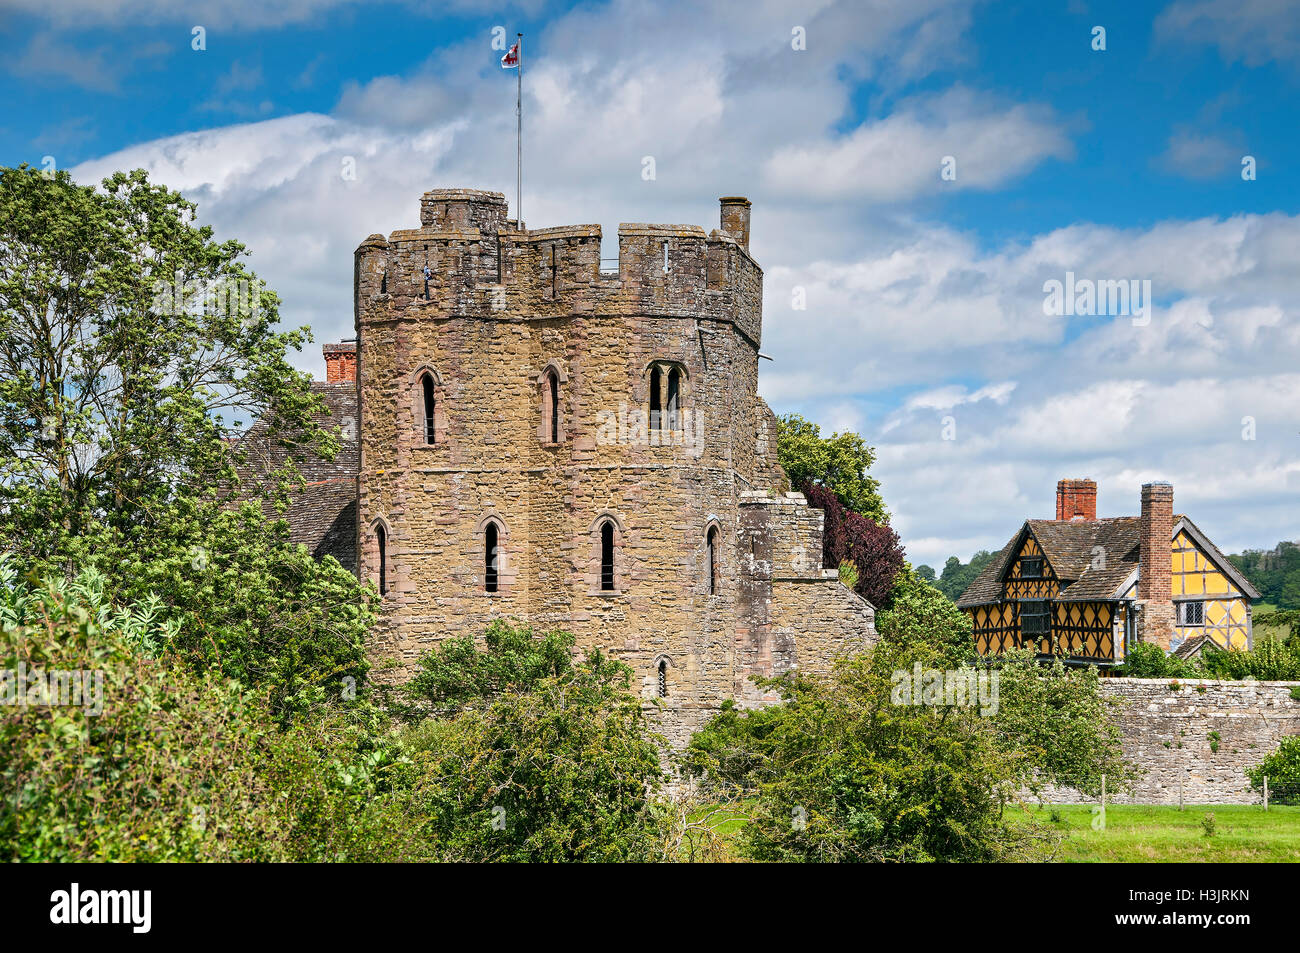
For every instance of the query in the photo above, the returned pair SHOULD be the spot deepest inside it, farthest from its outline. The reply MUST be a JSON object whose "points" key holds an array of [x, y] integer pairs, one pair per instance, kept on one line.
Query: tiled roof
{"points": [[341, 404], [1194, 646], [323, 514]]}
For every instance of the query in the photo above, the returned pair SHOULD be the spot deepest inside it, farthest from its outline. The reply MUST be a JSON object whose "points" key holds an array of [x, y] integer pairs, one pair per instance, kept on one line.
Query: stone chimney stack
{"points": [[1155, 582], [1076, 500], [735, 218], [341, 362]]}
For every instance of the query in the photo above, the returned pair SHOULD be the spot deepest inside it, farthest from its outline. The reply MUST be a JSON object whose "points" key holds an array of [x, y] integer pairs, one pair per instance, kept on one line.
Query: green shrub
{"points": [[175, 765], [1282, 768], [544, 766], [918, 613], [1148, 660], [849, 573], [515, 658], [850, 776], [1271, 659]]}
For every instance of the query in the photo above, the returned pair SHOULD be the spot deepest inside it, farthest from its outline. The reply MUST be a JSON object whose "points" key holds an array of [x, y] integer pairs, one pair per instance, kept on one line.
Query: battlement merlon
{"points": [[479, 263]]}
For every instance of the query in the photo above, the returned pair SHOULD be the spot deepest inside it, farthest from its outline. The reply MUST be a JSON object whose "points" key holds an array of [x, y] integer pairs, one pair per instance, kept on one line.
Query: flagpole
{"points": [[519, 138]]}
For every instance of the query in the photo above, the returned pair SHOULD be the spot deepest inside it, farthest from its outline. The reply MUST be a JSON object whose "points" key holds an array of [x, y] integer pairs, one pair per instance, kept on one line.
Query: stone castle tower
{"points": [[579, 444]]}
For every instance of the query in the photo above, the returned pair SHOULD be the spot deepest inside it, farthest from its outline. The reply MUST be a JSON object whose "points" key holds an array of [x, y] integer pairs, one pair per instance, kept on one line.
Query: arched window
{"points": [[555, 408], [663, 678], [672, 419], [491, 557], [430, 406], [656, 381], [711, 541], [607, 555], [551, 407], [381, 538]]}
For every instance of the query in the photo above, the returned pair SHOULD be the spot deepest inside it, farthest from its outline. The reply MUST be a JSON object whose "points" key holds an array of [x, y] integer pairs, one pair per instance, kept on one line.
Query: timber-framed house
{"points": [[1085, 589]]}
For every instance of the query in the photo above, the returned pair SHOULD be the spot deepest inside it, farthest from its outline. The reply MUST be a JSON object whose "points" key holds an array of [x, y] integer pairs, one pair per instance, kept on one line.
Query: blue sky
{"points": [[923, 296]]}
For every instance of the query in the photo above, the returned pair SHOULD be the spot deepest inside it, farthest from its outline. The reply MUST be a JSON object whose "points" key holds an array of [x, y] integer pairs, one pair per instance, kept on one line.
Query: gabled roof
{"points": [[1195, 646], [1072, 549]]}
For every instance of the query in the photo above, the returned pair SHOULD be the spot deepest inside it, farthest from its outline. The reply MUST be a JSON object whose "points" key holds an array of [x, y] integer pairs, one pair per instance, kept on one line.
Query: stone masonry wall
{"points": [[504, 309], [1172, 736]]}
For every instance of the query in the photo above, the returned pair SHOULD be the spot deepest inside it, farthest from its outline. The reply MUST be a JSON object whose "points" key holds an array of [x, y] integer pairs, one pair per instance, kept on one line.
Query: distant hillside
{"points": [[1275, 573], [956, 575]]}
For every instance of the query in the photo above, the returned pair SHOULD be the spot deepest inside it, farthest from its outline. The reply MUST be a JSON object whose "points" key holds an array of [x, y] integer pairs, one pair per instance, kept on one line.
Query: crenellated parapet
{"points": [[467, 259]]}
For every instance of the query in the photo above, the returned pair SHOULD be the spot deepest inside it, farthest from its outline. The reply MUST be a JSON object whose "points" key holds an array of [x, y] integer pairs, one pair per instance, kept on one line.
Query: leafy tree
{"points": [[957, 575], [851, 776], [128, 337], [1275, 573], [925, 573], [872, 548], [917, 613], [538, 764], [1288, 619], [838, 463], [133, 347], [1060, 724]]}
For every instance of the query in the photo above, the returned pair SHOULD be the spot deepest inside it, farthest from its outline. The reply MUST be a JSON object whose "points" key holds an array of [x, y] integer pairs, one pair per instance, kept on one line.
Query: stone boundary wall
{"points": [[1173, 736]]}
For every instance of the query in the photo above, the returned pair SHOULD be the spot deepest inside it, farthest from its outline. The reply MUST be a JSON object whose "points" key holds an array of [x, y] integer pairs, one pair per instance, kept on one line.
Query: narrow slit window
{"points": [[381, 538], [430, 407], [656, 381], [491, 547], [553, 383], [663, 678], [671, 405], [607, 556], [713, 560]]}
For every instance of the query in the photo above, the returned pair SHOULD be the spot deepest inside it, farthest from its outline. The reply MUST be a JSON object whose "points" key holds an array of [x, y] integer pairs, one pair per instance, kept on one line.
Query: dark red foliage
{"points": [[874, 547]]}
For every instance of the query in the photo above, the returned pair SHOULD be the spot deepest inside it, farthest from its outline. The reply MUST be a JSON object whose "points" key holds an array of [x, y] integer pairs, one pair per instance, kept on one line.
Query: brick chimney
{"points": [[735, 218], [1076, 500], [341, 362], [1155, 583]]}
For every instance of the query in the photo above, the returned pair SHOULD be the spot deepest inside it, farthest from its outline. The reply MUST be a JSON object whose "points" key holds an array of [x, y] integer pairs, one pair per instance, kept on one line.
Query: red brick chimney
{"points": [[1076, 500], [1155, 583], [341, 362]]}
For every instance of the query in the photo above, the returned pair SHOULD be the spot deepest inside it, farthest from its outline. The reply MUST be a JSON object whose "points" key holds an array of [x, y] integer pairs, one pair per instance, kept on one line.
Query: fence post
{"points": [[1103, 802], [1266, 792], [1180, 793]]}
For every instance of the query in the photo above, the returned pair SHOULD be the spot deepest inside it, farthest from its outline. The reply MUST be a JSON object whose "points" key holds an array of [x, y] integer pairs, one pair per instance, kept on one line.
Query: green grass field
{"points": [[1143, 834], [1260, 613]]}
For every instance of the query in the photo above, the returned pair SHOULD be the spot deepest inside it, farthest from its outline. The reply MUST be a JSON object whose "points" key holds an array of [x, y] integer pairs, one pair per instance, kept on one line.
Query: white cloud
{"points": [[215, 14], [1253, 31], [48, 58], [987, 143], [1200, 156], [906, 321]]}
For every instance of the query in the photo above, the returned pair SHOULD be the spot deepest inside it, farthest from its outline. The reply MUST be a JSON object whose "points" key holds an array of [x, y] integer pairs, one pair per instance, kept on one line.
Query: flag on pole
{"points": [[514, 59]]}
